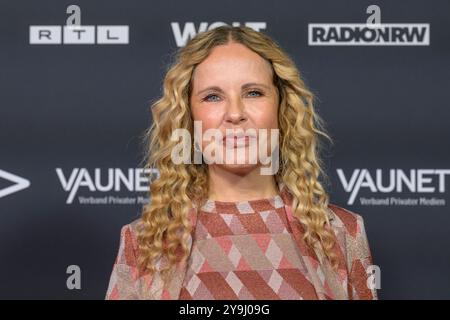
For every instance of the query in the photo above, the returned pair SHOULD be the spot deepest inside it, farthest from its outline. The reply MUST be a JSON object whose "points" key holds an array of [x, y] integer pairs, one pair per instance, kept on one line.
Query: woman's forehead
{"points": [[234, 64]]}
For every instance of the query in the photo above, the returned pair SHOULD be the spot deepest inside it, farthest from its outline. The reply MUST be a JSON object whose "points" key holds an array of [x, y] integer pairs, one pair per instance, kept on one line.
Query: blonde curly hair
{"points": [[164, 227]]}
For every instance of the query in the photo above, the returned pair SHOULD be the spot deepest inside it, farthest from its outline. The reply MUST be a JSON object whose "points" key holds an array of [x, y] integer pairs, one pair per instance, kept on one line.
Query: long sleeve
{"points": [[122, 284], [361, 260], [128, 282]]}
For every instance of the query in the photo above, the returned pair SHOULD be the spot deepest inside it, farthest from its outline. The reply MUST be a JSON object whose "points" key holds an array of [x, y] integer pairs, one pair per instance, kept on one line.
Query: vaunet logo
{"points": [[394, 183], [19, 183], [371, 33], [183, 34], [75, 33], [93, 185]]}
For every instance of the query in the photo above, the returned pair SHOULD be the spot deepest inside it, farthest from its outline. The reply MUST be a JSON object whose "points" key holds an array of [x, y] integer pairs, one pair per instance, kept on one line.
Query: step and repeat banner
{"points": [[75, 106]]}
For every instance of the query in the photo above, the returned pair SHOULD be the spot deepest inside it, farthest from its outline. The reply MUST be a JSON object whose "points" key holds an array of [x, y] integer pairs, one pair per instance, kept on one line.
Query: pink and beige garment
{"points": [[245, 250], [252, 250]]}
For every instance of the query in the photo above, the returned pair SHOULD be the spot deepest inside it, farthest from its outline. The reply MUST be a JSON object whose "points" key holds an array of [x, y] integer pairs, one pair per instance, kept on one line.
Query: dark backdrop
{"points": [[83, 109]]}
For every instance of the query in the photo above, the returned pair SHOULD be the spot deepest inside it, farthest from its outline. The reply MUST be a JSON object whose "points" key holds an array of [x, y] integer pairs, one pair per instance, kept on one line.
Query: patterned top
{"points": [[245, 250]]}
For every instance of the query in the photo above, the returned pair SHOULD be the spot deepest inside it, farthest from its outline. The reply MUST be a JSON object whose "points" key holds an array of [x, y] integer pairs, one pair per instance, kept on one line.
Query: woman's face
{"points": [[232, 89]]}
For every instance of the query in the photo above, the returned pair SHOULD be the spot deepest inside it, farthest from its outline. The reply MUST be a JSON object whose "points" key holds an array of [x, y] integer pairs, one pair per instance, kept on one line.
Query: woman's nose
{"points": [[235, 113]]}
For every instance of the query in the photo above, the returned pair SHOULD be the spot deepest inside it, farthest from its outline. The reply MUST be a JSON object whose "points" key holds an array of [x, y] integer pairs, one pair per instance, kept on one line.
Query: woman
{"points": [[228, 229]]}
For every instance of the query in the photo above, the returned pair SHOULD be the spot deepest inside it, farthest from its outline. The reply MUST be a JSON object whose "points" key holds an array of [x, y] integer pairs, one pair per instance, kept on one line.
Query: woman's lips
{"points": [[236, 142]]}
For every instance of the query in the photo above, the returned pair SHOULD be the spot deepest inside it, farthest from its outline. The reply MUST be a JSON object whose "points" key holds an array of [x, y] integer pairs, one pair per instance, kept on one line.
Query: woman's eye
{"points": [[215, 97], [207, 98], [257, 93]]}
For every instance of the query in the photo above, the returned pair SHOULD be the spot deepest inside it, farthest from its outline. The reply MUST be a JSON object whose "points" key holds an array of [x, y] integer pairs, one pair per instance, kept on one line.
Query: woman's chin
{"points": [[238, 169]]}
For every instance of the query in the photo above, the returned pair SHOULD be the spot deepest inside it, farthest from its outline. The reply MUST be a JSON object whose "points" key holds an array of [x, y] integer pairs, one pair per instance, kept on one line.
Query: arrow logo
{"points": [[20, 183]]}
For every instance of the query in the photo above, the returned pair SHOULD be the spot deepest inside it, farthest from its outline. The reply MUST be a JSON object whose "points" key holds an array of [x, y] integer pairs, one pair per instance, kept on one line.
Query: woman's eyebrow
{"points": [[244, 86]]}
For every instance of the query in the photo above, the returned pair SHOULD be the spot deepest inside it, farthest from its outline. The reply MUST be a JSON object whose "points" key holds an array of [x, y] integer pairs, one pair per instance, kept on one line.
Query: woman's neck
{"points": [[228, 186]]}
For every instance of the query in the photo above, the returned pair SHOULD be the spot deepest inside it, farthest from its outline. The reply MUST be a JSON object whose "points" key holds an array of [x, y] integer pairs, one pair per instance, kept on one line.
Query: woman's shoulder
{"points": [[132, 226], [351, 235], [128, 242], [346, 220]]}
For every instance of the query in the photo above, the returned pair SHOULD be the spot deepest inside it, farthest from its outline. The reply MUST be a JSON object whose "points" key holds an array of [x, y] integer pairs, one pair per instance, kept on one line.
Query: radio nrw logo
{"points": [[183, 34], [75, 33], [90, 187], [394, 183], [371, 33]]}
